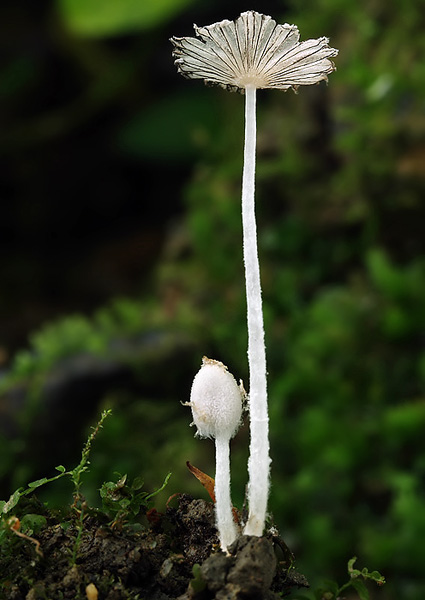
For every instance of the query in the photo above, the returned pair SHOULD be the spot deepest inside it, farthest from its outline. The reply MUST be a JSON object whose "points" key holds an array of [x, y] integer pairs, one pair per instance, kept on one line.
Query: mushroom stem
{"points": [[259, 460], [223, 505]]}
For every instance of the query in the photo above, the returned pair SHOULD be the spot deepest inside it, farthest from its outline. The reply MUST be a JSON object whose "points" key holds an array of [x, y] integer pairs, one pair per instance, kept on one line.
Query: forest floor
{"points": [[176, 556]]}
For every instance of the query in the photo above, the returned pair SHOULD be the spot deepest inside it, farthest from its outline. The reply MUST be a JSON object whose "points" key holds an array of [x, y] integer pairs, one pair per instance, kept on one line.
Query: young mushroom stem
{"points": [[259, 460], [226, 526]]}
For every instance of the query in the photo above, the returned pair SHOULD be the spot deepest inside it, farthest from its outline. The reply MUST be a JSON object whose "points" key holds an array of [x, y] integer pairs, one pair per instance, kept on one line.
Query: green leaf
{"points": [[352, 571], [12, 502], [198, 584], [360, 589], [60, 468], [376, 576], [121, 482], [124, 503], [137, 484], [38, 482], [116, 17]]}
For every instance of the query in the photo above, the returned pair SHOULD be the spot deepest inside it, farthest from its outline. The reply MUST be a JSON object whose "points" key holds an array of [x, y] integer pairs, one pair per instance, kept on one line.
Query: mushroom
{"points": [[216, 403], [249, 53]]}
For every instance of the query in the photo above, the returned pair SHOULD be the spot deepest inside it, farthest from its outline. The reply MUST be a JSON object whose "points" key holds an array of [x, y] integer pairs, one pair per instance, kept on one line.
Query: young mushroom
{"points": [[247, 54], [216, 403]]}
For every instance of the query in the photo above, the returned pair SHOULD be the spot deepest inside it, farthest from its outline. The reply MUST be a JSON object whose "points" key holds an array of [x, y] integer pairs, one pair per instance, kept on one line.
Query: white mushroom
{"points": [[216, 403], [249, 53]]}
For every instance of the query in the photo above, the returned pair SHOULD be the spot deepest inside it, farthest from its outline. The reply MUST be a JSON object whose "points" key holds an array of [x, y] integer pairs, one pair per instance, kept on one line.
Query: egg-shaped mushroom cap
{"points": [[216, 401]]}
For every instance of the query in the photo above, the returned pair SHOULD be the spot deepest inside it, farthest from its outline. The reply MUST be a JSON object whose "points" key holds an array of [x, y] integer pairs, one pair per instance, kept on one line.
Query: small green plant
{"points": [[58, 538], [75, 474], [11, 526], [332, 591], [123, 501]]}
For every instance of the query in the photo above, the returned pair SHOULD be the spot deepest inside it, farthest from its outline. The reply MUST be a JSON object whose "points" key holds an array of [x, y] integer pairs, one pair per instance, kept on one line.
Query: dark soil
{"points": [[176, 557]]}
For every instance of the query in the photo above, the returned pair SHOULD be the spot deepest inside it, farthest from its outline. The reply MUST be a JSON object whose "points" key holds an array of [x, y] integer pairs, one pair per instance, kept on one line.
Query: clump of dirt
{"points": [[176, 557], [249, 571]]}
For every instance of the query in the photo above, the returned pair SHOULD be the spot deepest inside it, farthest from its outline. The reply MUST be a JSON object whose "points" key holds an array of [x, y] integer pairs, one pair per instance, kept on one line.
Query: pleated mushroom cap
{"points": [[253, 50]]}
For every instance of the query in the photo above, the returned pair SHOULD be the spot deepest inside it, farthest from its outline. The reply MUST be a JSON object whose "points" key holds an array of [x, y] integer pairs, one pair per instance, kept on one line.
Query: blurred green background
{"points": [[121, 264]]}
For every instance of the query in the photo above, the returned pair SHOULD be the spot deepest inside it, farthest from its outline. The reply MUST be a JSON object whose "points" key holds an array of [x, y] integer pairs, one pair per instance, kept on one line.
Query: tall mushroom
{"points": [[249, 53]]}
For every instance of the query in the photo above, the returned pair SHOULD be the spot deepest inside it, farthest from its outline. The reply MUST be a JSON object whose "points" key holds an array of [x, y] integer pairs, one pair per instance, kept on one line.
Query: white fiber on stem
{"points": [[259, 460], [224, 516]]}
